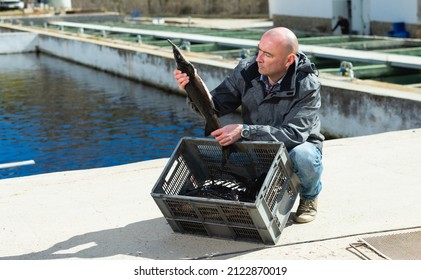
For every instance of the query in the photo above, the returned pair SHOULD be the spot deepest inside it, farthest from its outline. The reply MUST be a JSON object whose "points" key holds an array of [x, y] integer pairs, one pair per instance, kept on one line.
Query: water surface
{"points": [[66, 117]]}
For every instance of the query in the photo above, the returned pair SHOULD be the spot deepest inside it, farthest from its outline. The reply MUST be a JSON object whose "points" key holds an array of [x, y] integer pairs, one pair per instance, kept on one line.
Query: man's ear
{"points": [[291, 59]]}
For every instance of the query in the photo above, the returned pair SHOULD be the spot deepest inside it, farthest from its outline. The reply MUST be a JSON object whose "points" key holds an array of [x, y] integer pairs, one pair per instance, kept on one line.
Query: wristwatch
{"points": [[245, 132]]}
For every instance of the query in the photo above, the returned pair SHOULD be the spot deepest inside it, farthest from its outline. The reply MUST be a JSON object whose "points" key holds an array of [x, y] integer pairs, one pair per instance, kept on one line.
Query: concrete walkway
{"points": [[372, 185]]}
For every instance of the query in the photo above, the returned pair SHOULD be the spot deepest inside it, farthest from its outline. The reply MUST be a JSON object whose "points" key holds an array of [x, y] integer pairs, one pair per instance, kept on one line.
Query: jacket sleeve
{"points": [[300, 123]]}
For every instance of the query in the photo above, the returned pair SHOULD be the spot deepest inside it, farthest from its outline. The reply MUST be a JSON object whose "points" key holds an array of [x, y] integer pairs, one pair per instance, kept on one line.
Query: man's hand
{"points": [[228, 134], [181, 78]]}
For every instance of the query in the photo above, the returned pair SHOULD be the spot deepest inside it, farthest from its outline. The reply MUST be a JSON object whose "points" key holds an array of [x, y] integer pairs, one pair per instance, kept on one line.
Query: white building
{"points": [[366, 17], [61, 4]]}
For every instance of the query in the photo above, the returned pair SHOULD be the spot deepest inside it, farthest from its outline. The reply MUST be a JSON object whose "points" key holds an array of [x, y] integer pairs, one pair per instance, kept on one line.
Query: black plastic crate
{"points": [[249, 198]]}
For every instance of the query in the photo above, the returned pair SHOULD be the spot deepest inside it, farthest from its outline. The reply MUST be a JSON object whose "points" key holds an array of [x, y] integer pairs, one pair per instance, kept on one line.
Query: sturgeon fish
{"points": [[200, 96]]}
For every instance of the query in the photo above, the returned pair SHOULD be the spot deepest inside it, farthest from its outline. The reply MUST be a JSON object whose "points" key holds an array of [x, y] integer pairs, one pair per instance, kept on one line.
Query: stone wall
{"points": [[381, 28], [213, 8]]}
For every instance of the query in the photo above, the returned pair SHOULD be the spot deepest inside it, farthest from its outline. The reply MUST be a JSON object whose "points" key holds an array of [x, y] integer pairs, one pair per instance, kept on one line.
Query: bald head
{"points": [[284, 37], [278, 49]]}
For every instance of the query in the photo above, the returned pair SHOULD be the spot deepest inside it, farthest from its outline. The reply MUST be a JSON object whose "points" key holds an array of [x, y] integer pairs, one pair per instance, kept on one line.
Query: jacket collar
{"points": [[287, 86]]}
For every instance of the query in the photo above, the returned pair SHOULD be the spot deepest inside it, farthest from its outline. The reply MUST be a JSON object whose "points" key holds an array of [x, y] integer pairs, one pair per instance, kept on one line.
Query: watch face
{"points": [[245, 133]]}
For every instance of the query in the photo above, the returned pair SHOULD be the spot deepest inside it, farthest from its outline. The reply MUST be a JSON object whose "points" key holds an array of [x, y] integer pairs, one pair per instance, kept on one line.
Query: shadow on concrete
{"points": [[150, 239]]}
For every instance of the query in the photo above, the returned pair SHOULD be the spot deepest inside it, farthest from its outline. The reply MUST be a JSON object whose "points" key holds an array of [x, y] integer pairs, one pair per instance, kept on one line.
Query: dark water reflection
{"points": [[66, 117]]}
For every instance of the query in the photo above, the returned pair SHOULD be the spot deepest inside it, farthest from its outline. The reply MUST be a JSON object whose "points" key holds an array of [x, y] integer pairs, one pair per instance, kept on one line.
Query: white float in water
{"points": [[16, 164]]}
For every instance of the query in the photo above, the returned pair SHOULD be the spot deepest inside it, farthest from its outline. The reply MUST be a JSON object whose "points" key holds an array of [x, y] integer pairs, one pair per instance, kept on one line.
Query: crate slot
{"points": [[237, 215], [245, 233]]}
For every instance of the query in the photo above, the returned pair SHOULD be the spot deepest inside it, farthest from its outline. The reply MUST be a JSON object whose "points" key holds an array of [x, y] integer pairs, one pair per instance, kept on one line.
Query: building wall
{"points": [[307, 15], [302, 23], [407, 11], [394, 11], [301, 8], [369, 17]]}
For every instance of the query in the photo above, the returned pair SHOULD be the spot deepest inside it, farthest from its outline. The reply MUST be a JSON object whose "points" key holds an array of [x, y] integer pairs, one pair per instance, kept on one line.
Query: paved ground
{"points": [[371, 186]]}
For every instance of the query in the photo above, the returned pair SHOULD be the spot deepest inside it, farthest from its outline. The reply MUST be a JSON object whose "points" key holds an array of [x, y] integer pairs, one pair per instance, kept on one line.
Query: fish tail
{"points": [[226, 153]]}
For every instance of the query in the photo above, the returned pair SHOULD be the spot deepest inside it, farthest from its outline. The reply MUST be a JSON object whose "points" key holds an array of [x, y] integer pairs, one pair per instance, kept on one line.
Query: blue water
{"points": [[67, 117]]}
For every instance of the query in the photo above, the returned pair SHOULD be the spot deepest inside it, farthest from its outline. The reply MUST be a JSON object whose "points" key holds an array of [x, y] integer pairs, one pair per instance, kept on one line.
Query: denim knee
{"points": [[307, 163], [306, 156]]}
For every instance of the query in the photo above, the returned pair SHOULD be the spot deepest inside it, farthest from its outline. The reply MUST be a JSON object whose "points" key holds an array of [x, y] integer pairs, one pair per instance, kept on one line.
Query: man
{"points": [[279, 94], [344, 24]]}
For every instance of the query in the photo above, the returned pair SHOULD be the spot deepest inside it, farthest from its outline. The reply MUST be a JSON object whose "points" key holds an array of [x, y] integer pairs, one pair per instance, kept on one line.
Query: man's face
{"points": [[272, 58]]}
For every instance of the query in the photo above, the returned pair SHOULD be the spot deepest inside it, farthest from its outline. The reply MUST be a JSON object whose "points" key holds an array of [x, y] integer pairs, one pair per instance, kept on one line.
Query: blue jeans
{"points": [[307, 163]]}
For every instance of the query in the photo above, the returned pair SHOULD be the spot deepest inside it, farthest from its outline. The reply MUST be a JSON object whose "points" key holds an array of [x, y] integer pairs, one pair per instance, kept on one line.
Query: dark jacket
{"points": [[344, 24], [289, 113]]}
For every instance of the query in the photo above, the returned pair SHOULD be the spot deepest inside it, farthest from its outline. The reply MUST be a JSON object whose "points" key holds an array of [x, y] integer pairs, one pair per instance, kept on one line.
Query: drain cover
{"points": [[399, 246]]}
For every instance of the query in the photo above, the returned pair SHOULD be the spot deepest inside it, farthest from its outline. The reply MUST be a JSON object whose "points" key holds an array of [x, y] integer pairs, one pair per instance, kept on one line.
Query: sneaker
{"points": [[307, 211]]}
